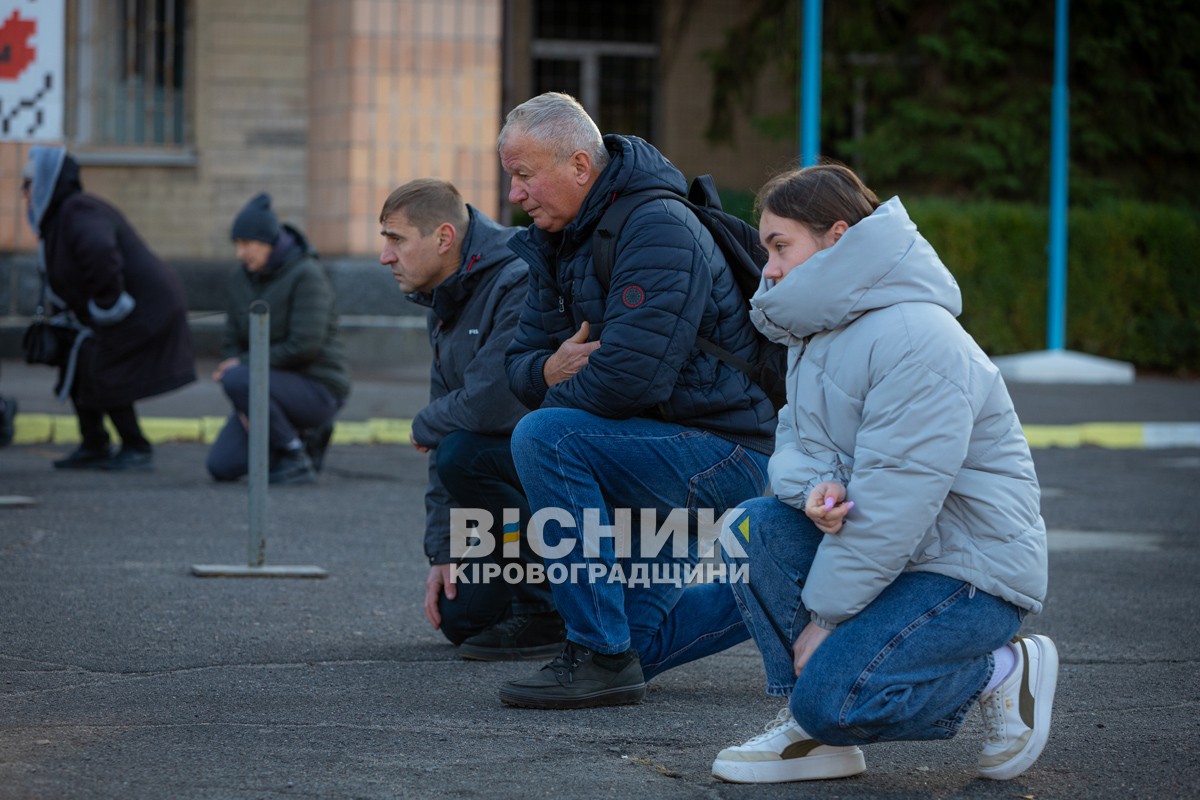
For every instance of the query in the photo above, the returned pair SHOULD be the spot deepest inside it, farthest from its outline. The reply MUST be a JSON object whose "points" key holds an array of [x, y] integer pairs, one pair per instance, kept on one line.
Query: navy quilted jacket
{"points": [[669, 283]]}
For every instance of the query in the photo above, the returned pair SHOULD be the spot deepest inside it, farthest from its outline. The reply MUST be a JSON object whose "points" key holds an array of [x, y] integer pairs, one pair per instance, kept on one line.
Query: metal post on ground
{"points": [[257, 475], [257, 458], [1056, 364]]}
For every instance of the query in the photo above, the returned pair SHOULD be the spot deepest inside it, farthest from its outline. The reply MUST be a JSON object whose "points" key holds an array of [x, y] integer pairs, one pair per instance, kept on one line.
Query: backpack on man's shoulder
{"points": [[738, 241]]}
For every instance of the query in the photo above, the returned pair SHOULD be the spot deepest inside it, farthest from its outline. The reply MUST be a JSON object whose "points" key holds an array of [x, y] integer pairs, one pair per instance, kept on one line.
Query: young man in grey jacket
{"points": [[453, 259]]}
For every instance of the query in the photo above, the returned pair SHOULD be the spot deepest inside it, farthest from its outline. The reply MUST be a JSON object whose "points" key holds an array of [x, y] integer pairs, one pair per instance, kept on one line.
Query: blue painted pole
{"points": [[810, 84], [1056, 299]]}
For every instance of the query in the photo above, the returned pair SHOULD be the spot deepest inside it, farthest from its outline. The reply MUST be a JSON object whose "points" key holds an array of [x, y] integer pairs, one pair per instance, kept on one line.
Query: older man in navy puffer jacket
{"points": [[630, 415]]}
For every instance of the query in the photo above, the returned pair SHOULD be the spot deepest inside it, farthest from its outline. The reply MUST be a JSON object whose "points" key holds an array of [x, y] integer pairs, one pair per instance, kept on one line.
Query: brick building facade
{"points": [[329, 104]]}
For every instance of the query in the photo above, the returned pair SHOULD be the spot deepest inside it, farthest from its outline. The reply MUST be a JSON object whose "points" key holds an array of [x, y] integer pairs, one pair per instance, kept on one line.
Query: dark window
{"points": [[604, 54], [586, 20], [130, 70]]}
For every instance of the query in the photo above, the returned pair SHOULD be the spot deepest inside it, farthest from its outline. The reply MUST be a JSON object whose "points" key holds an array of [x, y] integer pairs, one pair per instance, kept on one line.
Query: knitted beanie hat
{"points": [[256, 221]]}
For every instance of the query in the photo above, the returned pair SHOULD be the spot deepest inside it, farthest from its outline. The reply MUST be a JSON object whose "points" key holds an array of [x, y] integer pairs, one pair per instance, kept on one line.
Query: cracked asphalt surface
{"points": [[124, 676]]}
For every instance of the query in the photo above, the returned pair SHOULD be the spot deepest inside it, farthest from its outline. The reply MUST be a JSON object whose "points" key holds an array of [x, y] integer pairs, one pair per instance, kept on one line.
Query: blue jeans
{"points": [[572, 460], [907, 667], [478, 472], [295, 402]]}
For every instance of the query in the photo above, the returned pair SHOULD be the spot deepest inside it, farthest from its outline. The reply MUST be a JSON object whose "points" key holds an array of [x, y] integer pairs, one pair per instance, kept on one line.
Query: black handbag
{"points": [[48, 340]]}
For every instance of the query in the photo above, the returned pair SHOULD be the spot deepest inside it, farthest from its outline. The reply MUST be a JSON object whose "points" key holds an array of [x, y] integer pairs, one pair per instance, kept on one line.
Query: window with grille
{"points": [[130, 73], [604, 54]]}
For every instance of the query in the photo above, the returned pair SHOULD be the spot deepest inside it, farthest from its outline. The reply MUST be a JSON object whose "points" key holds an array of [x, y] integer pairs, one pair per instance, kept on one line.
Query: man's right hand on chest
{"points": [[571, 356]]}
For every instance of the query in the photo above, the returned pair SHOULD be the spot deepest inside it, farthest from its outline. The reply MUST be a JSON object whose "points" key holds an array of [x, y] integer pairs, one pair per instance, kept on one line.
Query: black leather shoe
{"points": [[579, 678], [83, 458], [520, 637], [130, 461]]}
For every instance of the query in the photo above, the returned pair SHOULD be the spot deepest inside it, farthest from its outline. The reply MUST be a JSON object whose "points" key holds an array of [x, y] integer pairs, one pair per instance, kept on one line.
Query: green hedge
{"points": [[1133, 282], [1133, 277]]}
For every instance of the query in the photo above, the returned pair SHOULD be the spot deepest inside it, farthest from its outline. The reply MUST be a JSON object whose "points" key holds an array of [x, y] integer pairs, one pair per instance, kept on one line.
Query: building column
{"points": [[399, 89]]}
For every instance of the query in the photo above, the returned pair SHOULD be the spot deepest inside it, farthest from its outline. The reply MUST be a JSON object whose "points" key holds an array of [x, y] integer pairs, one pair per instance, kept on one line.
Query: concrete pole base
{"points": [[242, 571], [1062, 366]]}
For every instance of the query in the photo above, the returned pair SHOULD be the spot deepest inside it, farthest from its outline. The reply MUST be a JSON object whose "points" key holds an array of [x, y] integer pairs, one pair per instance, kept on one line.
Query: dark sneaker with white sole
{"points": [[520, 637], [579, 678]]}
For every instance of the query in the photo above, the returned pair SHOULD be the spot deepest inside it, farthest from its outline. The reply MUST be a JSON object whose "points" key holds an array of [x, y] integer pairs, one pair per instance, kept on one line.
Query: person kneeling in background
{"points": [[309, 376]]}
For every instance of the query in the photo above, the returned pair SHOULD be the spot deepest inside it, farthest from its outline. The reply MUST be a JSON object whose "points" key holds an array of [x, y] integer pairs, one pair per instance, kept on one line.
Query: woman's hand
{"points": [[827, 507], [806, 644]]}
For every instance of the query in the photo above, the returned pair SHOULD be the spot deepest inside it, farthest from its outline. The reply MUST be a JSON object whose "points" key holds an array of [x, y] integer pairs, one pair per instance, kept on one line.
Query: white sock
{"points": [[1005, 657]]}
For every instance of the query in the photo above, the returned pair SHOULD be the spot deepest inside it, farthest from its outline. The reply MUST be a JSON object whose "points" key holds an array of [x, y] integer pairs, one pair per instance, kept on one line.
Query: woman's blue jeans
{"points": [[907, 667], [576, 461]]}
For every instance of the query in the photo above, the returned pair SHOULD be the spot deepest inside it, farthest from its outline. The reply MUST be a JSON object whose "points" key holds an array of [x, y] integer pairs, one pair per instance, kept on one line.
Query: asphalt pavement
{"points": [[122, 675]]}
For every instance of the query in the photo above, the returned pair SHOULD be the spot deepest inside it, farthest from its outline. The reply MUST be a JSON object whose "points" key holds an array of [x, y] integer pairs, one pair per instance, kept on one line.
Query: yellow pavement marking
{"points": [[1114, 434], [169, 429], [32, 428], [210, 427], [64, 429], [389, 431], [1053, 435], [352, 433], [1095, 434]]}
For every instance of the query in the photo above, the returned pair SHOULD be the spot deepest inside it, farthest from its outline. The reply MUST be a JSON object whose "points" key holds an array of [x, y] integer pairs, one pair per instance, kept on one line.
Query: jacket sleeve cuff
{"points": [[537, 376], [111, 316], [440, 558], [821, 622]]}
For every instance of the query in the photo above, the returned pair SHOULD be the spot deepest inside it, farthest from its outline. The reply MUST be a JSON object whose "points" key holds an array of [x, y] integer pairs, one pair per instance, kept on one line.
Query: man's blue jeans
{"points": [[572, 460], [907, 667]]}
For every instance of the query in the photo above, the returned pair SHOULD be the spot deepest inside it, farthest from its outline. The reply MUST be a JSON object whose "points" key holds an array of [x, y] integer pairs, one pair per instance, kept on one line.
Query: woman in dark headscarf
{"points": [[135, 337]]}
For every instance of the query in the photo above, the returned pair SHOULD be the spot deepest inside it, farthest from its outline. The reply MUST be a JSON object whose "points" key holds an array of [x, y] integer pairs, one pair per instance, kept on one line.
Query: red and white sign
{"points": [[31, 69]]}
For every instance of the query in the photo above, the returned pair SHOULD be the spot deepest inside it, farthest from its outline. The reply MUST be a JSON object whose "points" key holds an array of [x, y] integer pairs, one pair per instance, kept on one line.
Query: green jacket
{"points": [[304, 325]]}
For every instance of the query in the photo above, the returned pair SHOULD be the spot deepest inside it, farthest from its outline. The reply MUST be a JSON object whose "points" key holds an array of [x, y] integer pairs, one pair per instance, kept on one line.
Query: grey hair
{"points": [[558, 121]]}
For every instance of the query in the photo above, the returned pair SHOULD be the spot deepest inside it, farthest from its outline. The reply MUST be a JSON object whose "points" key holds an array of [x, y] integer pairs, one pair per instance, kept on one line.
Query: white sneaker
{"points": [[784, 752], [1016, 715]]}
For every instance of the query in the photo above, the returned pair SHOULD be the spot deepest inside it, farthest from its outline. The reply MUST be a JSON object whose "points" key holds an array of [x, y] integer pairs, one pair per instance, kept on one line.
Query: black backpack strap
{"points": [[716, 351], [604, 239], [703, 192], [604, 247]]}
